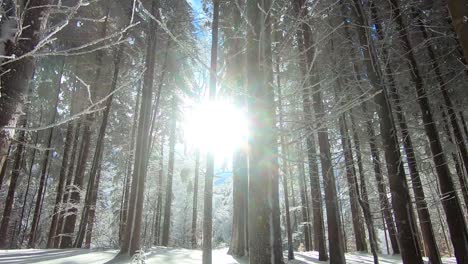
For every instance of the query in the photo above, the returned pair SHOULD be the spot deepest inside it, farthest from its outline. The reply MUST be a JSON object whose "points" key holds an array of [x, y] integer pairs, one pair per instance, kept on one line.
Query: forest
{"points": [[234, 131]]}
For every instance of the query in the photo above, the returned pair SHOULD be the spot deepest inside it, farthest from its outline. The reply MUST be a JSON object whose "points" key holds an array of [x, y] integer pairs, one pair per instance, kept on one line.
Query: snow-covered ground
{"points": [[162, 255]]}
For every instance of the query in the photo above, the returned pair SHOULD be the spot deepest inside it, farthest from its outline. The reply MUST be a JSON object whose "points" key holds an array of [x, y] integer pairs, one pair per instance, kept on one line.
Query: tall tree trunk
{"points": [[304, 204], [319, 234], [453, 211], [421, 205], [16, 73], [458, 11], [68, 184], [284, 154], [131, 242], [364, 197], [401, 201], [456, 160], [62, 178], [70, 220], [263, 169], [45, 165], [208, 197], [87, 222], [170, 175], [127, 180], [157, 225], [195, 200], [353, 191], [331, 200], [4, 167], [13, 183], [235, 70], [28, 185], [457, 131]]}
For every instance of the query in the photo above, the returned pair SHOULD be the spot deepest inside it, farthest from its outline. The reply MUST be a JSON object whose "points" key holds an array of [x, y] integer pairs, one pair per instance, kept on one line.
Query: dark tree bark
{"points": [[453, 211], [208, 197], [45, 165], [170, 175], [17, 73], [458, 10]]}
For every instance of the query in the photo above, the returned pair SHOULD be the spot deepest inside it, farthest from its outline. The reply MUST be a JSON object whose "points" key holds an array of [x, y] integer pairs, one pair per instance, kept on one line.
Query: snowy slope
{"points": [[162, 255]]}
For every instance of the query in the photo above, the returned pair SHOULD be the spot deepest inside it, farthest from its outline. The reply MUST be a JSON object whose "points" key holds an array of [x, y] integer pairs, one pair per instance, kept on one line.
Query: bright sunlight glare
{"points": [[218, 126]]}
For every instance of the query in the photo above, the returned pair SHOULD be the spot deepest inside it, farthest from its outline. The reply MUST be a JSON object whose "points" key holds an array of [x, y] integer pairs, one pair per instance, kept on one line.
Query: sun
{"points": [[216, 126]]}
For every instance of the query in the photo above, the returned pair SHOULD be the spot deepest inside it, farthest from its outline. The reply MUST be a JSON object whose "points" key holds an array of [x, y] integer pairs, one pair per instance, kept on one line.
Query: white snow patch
{"points": [[167, 256]]}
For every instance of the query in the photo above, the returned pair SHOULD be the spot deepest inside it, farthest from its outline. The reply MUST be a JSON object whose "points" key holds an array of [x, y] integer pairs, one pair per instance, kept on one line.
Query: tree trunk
{"points": [[458, 167], [13, 182], [28, 185], [401, 201], [87, 221], [458, 11], [331, 200], [316, 194], [364, 197], [45, 165], [304, 204], [263, 169], [62, 178], [157, 224], [195, 200], [170, 175], [453, 211], [68, 184], [235, 70], [208, 198], [284, 153], [131, 242], [17, 73], [421, 205], [127, 181], [353, 191], [4, 167]]}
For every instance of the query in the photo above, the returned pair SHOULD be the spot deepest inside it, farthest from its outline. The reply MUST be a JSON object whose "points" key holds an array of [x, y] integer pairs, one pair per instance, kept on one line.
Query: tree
{"points": [[131, 242], [17, 70], [208, 197], [170, 175], [458, 10]]}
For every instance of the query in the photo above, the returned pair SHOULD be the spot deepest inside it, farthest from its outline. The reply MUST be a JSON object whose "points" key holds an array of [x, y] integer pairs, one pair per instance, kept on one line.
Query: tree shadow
{"points": [[18, 257]]}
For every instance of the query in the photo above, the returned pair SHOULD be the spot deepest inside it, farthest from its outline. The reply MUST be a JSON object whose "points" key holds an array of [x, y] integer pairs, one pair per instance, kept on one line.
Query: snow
{"points": [[165, 255]]}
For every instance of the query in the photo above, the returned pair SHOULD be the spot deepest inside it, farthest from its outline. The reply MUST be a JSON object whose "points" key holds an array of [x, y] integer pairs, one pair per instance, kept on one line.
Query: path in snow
{"points": [[163, 255]]}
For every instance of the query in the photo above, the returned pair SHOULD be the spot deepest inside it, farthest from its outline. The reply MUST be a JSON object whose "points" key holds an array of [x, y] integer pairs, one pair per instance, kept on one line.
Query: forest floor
{"points": [[163, 255]]}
